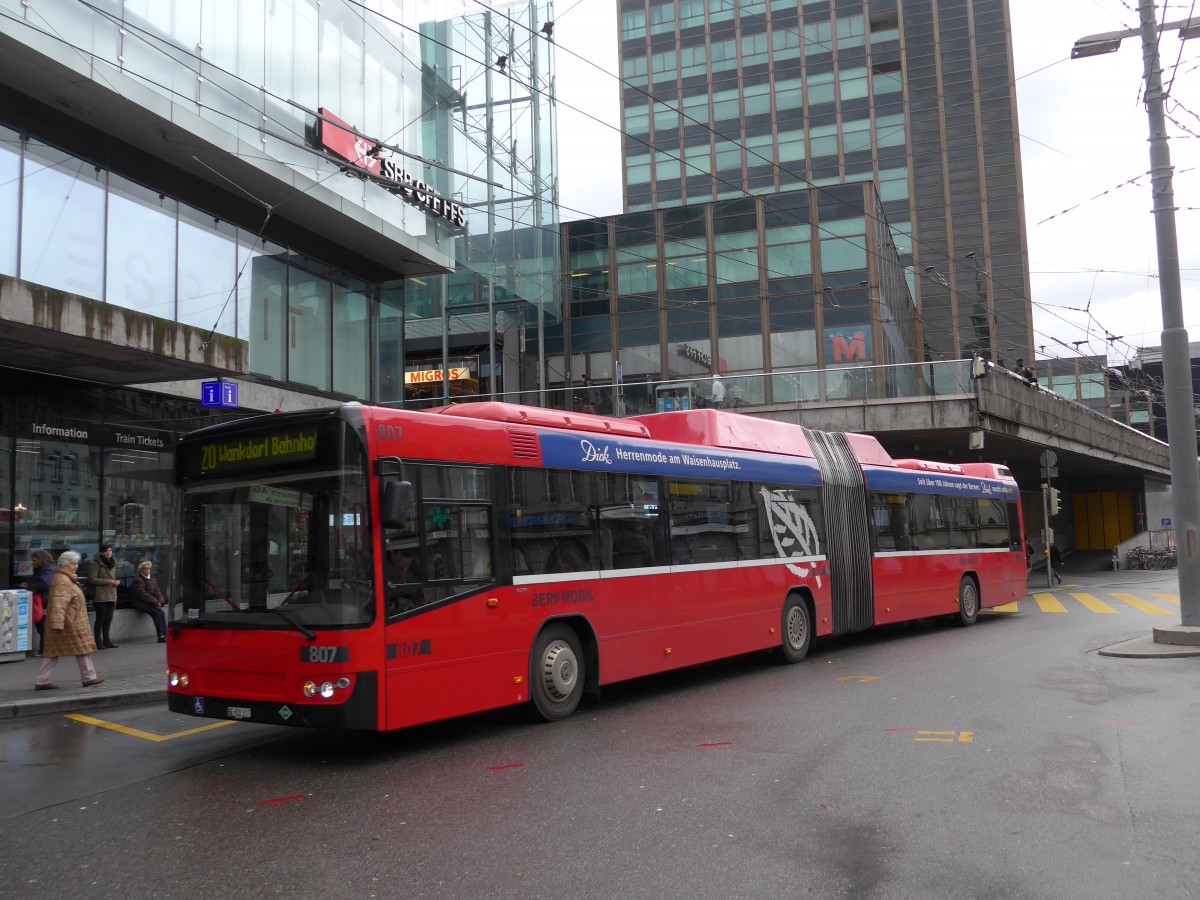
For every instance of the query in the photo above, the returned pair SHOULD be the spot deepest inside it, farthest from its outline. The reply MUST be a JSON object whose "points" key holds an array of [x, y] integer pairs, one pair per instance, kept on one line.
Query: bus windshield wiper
{"points": [[287, 617]]}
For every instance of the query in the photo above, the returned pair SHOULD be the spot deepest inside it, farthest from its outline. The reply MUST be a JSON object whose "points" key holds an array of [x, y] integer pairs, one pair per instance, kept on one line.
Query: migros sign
{"points": [[337, 137], [428, 376]]}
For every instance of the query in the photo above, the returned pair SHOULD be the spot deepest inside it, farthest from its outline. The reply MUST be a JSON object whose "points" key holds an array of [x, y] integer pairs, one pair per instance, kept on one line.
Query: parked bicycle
{"points": [[1151, 558]]}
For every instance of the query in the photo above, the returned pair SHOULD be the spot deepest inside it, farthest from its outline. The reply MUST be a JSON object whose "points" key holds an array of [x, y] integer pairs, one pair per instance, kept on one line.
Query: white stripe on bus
{"points": [[664, 570]]}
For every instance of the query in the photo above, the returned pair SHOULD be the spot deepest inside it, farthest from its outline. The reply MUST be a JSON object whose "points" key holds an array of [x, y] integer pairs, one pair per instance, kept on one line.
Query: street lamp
{"points": [[1181, 423]]}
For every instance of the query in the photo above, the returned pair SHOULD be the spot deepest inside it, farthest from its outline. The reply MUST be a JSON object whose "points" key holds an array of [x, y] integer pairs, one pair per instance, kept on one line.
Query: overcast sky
{"points": [[1084, 135]]}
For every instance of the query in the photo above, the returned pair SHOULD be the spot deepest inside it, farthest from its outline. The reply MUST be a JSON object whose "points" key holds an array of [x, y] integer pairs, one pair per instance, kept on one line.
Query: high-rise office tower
{"points": [[727, 98]]}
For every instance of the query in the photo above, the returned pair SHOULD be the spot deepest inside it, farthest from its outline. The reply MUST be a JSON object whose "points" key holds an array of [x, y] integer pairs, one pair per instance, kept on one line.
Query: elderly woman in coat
{"points": [[68, 631]]}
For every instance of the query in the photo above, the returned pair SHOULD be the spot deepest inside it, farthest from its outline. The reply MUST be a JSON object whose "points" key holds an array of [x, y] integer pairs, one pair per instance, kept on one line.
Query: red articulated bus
{"points": [[371, 568]]}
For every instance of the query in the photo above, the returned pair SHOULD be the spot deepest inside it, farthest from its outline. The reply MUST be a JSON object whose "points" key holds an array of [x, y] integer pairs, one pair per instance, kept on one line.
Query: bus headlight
{"points": [[175, 678], [326, 689]]}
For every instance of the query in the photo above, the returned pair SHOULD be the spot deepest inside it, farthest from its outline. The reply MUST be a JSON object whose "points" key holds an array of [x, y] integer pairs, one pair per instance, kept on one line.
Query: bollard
{"points": [[1116, 559]]}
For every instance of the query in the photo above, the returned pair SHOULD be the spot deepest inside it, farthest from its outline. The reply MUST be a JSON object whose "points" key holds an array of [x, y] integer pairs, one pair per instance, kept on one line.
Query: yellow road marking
{"points": [[1095, 604], [861, 678], [1138, 603], [1007, 607], [146, 735], [1170, 598], [1049, 603], [945, 737]]}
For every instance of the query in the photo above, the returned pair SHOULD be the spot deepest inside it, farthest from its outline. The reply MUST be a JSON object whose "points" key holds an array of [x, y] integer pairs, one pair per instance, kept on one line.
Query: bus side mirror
{"points": [[397, 509]]}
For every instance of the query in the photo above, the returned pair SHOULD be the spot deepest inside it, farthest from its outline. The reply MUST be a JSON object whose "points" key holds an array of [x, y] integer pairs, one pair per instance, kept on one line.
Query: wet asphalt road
{"points": [[1004, 760]]}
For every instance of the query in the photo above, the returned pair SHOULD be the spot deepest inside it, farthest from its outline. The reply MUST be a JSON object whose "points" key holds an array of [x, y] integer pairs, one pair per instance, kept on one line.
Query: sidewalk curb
{"points": [[72, 702], [1147, 648]]}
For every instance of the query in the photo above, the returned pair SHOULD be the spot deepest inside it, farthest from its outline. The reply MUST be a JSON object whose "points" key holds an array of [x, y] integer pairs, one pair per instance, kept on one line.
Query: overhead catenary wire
{"points": [[917, 243], [955, 291]]}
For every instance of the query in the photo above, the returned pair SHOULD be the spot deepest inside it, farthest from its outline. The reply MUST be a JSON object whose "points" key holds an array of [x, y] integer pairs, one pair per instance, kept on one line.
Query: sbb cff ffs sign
{"points": [[429, 376], [336, 136]]}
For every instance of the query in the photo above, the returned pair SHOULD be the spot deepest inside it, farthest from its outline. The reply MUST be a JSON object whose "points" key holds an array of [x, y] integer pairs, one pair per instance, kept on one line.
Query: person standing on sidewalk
{"points": [[68, 632], [148, 598], [39, 583], [103, 579]]}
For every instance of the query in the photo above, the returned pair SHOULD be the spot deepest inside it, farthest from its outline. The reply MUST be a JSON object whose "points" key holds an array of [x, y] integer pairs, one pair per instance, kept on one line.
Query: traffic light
{"points": [[1054, 504]]}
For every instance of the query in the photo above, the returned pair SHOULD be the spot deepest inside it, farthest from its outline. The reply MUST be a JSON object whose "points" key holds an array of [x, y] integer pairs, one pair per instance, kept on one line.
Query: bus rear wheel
{"points": [[556, 673], [796, 625], [968, 602]]}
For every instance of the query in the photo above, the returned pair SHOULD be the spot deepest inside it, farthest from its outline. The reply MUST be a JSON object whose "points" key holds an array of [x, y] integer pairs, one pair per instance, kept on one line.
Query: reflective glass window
{"points": [[633, 24], [817, 37], [207, 276], [10, 192], [792, 150], [292, 47], [145, 54], [266, 312], [351, 340], [820, 88], [928, 523], [637, 120], [308, 325], [638, 278], [389, 344], [640, 360], [793, 349], [1091, 386], [851, 32], [843, 254], [790, 259], [62, 223], [736, 265], [729, 159], [140, 273], [702, 522], [695, 110], [552, 522], [743, 353], [639, 174]]}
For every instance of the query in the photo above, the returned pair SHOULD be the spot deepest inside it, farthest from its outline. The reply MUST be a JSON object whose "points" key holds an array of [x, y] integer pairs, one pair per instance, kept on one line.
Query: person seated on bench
{"points": [[148, 598]]}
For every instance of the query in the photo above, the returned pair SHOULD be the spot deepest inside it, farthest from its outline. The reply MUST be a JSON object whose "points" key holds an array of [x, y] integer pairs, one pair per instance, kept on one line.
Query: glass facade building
{"points": [[724, 99], [321, 202], [799, 281]]}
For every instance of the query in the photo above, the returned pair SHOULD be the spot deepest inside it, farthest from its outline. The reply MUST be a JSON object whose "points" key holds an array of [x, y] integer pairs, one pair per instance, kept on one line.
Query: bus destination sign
{"points": [[254, 451]]}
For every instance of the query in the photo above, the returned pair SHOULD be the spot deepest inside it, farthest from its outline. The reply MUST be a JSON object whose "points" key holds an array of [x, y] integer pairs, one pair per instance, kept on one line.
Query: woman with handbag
{"points": [[103, 579], [39, 584], [69, 633]]}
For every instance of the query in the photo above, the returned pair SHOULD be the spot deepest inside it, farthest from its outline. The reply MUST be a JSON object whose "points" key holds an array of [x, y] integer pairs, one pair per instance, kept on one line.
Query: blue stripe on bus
{"points": [[599, 453], [912, 481]]}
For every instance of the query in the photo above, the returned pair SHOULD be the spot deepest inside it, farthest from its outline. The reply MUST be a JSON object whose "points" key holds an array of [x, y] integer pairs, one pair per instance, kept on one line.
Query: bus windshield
{"points": [[280, 549]]}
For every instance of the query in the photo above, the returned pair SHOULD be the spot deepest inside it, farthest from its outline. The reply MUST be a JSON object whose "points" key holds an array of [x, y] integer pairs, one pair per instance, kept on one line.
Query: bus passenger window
{"points": [[568, 555], [891, 520], [403, 574]]}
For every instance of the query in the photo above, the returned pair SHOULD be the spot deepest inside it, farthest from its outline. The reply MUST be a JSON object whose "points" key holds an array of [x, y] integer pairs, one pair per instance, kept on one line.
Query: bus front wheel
{"points": [[796, 625], [556, 673], [968, 601]]}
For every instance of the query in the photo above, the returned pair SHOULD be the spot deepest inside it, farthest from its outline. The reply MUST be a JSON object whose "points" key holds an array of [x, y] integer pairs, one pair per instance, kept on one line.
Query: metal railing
{"points": [[794, 388]]}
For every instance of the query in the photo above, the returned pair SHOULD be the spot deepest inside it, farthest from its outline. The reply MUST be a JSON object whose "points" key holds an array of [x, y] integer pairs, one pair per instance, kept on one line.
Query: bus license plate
{"points": [[238, 712]]}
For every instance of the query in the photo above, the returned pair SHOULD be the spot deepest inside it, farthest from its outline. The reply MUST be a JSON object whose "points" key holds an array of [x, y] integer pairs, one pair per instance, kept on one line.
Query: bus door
{"points": [[443, 643]]}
